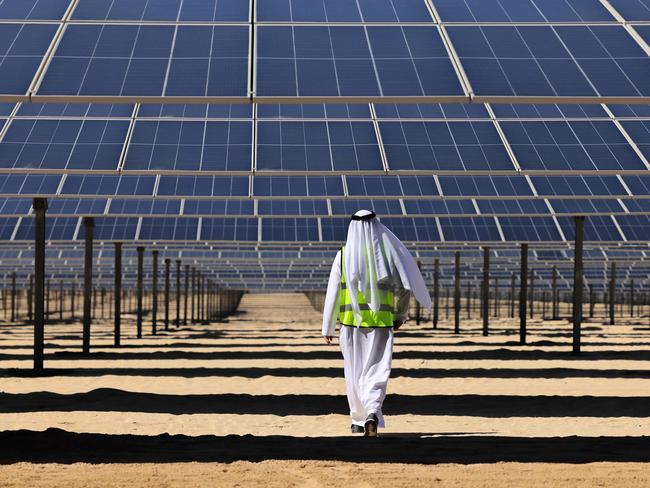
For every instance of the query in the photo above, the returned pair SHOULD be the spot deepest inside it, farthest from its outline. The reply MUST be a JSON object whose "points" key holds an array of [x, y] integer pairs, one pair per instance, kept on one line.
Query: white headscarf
{"points": [[374, 257]]}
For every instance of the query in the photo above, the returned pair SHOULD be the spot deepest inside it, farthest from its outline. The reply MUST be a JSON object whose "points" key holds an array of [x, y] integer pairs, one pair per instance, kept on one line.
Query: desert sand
{"points": [[259, 400]]}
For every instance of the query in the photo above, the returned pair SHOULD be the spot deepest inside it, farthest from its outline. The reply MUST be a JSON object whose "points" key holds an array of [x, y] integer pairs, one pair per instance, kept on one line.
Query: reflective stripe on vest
{"points": [[383, 318]]}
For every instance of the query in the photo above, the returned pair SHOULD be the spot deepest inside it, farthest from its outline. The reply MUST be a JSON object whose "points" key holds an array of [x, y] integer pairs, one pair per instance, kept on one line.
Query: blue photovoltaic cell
{"points": [[474, 229], [219, 207], [578, 186], [29, 185], [22, 47], [342, 11], [229, 229], [391, 186], [547, 111], [109, 185], [317, 146], [637, 206], [334, 230], [512, 207], [521, 11], [632, 9], [203, 186], [529, 229], [639, 131], [33, 9], [409, 229], [638, 185], [635, 227], [149, 60], [225, 111], [7, 227], [115, 229], [74, 110], [596, 228], [5, 110], [168, 229], [289, 229], [56, 229], [63, 144], [15, 206], [432, 111], [552, 61], [297, 186], [439, 207], [338, 61], [570, 146], [190, 146], [163, 10], [485, 186], [145, 207], [444, 146], [630, 110], [314, 111], [75, 206], [380, 207], [576, 207], [292, 207]]}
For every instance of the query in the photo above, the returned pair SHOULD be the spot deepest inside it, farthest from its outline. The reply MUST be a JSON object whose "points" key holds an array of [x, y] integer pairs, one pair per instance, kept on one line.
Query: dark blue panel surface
{"points": [[203, 186], [522, 11], [630, 110], [552, 61], [22, 47], [15, 206], [218, 207], [432, 111], [635, 227], [56, 229], [7, 227], [115, 229], [168, 229], [578, 186], [145, 207], [314, 111], [439, 207], [474, 229], [335, 230], [391, 186], [109, 185], [380, 207], [547, 111], [639, 131], [512, 207], [292, 207], [571, 146], [342, 11], [201, 111], [33, 9], [297, 186], [63, 144], [353, 61], [484, 186], [229, 229], [579, 207], [36, 185], [537, 229], [74, 110], [444, 146], [190, 146], [632, 9], [596, 228], [317, 146], [149, 60], [76, 206], [638, 185], [279, 229], [163, 10], [409, 229]]}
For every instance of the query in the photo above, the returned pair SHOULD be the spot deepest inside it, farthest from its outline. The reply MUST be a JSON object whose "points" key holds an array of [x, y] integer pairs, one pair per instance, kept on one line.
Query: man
{"points": [[369, 290]]}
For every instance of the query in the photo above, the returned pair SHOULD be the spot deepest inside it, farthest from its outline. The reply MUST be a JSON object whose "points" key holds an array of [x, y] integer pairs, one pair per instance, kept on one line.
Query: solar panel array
{"points": [[184, 122]]}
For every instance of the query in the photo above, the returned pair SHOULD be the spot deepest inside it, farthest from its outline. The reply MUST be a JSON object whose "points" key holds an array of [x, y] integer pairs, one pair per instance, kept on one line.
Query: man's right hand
{"points": [[328, 339]]}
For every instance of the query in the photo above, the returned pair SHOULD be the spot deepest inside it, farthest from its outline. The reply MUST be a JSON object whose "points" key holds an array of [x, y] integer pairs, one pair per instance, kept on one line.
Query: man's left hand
{"points": [[397, 324]]}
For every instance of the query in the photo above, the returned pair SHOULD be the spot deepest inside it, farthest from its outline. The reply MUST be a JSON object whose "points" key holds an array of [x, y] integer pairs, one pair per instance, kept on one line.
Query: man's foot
{"points": [[371, 426], [357, 429]]}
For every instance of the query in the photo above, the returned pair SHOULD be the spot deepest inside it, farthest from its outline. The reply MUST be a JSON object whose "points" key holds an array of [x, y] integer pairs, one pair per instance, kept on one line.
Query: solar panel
{"points": [[571, 146], [203, 186], [163, 10], [552, 61], [218, 207], [63, 144], [608, 186], [279, 229], [439, 207], [595, 229], [391, 186], [149, 60], [639, 185], [218, 229], [165, 229], [529, 229], [632, 9], [475, 229], [639, 131], [314, 111], [15, 206], [145, 207], [522, 11], [297, 186], [190, 146], [485, 186], [514, 207], [115, 229], [74, 110], [317, 146], [630, 110], [635, 227], [408, 229], [353, 61], [547, 111], [342, 11], [444, 146], [381, 207], [33, 9], [201, 111], [56, 229], [22, 47], [76, 206], [431, 111], [29, 185], [108, 185], [292, 207], [581, 207], [7, 227]]}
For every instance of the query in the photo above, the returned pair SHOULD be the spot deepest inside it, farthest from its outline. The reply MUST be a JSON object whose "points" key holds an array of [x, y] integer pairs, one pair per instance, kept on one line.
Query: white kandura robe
{"points": [[367, 352]]}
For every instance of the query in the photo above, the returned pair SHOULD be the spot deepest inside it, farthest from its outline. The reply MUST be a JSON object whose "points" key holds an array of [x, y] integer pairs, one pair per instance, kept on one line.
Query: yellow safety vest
{"points": [[383, 318]]}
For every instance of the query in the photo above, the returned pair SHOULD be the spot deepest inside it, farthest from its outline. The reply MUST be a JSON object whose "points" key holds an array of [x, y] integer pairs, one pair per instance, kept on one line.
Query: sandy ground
{"points": [[259, 400]]}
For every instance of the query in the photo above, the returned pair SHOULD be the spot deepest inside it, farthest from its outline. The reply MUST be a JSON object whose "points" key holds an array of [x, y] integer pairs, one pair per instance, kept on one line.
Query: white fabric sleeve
{"points": [[331, 307], [402, 305]]}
